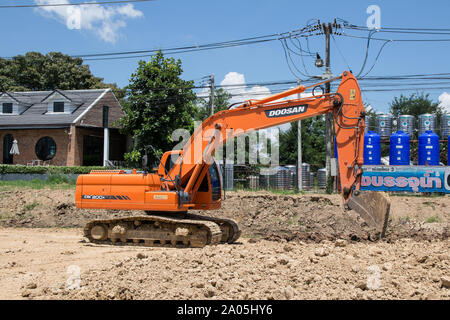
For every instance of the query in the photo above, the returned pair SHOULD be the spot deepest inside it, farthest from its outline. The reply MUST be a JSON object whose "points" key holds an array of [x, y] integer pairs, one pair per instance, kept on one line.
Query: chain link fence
{"points": [[282, 177]]}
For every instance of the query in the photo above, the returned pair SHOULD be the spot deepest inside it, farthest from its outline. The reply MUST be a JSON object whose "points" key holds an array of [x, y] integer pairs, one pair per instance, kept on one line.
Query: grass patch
{"points": [[252, 236], [417, 194], [284, 192], [404, 219], [432, 219], [31, 206], [275, 191], [53, 182], [7, 168], [292, 220], [430, 204]]}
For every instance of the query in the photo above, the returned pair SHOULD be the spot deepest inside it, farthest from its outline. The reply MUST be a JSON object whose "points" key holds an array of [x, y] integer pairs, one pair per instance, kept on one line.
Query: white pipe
{"points": [[105, 146]]}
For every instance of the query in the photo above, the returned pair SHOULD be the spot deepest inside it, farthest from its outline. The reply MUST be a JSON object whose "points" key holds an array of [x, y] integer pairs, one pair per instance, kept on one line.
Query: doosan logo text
{"points": [[288, 111]]}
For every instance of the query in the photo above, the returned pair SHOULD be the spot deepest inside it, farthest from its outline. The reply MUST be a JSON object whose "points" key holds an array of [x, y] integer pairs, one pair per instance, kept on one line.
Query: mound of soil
{"points": [[312, 217], [318, 217]]}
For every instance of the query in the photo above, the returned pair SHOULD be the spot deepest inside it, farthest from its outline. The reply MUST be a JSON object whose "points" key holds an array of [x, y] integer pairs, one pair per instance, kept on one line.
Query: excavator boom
{"points": [[193, 179]]}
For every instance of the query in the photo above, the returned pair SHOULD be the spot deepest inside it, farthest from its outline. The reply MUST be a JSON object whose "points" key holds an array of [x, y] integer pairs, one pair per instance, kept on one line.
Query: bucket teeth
{"points": [[373, 207]]}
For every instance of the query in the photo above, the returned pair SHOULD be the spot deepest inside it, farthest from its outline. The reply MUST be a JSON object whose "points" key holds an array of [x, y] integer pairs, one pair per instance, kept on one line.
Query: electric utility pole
{"points": [[328, 29], [212, 93], [299, 149]]}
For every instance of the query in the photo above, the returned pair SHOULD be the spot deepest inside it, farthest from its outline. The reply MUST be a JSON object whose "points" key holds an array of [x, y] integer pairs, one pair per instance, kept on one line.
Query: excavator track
{"points": [[154, 231], [229, 228]]}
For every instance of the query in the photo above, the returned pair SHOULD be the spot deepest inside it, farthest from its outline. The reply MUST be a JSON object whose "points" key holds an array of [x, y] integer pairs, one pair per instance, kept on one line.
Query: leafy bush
{"points": [[60, 178]]}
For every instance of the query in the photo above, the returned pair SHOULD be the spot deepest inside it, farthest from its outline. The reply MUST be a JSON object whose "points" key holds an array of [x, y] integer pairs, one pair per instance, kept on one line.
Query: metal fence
{"points": [[282, 177]]}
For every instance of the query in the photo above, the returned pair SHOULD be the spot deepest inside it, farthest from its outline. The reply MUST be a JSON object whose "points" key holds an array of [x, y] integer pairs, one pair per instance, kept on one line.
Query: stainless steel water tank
{"points": [[427, 122], [291, 167], [383, 125], [284, 179], [306, 177], [228, 181], [253, 182], [405, 123], [322, 178], [445, 126], [267, 177]]}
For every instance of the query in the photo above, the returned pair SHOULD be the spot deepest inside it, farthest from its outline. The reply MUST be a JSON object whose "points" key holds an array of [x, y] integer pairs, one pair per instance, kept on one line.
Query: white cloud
{"points": [[129, 11], [237, 87], [241, 92], [104, 21], [444, 101]]}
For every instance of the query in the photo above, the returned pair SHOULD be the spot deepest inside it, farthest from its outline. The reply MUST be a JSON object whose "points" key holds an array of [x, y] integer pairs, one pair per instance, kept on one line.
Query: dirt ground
{"points": [[292, 247]]}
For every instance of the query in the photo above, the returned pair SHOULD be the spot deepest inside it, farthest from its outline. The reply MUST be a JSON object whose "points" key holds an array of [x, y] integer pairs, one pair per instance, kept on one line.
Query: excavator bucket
{"points": [[373, 207]]}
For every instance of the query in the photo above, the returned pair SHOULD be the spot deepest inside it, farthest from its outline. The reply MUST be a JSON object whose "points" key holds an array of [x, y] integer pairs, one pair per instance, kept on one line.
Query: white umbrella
{"points": [[15, 148]]}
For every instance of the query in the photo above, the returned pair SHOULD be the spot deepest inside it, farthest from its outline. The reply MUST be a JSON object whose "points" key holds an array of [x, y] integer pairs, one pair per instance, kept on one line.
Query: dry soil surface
{"points": [[292, 247]]}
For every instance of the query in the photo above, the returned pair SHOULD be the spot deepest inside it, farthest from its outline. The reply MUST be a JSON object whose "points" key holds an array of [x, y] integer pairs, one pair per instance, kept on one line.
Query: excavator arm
{"points": [[348, 113]]}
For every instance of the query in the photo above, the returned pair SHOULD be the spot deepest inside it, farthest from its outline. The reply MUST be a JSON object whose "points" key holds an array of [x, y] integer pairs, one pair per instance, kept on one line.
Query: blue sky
{"points": [[173, 23]]}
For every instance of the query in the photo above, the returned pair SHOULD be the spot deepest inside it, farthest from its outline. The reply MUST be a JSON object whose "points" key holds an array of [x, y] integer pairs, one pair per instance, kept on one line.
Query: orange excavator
{"points": [[190, 179]]}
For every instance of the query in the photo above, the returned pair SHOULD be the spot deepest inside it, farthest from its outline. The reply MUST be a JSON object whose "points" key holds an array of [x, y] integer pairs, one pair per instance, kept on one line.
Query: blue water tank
{"points": [[448, 151], [335, 148], [428, 149], [399, 149], [372, 148]]}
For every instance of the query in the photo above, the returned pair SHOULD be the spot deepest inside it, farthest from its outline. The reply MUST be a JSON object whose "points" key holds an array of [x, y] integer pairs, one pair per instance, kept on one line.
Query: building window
{"points": [[7, 145], [7, 108], [45, 148], [105, 116], [58, 106]]}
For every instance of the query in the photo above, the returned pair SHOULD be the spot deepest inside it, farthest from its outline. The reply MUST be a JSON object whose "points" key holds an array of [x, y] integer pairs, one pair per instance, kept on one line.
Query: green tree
{"points": [[221, 102], [37, 72], [158, 102], [415, 105], [313, 143]]}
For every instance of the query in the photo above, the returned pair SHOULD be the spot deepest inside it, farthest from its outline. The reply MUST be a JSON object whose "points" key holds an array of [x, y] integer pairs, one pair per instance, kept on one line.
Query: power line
{"points": [[171, 51], [371, 32], [408, 89], [371, 82], [340, 52], [376, 59], [396, 40], [177, 50], [427, 31], [286, 55], [367, 53], [69, 4]]}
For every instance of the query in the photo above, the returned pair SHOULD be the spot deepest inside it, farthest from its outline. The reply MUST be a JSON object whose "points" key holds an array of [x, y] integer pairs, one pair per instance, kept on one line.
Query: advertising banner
{"points": [[406, 178]]}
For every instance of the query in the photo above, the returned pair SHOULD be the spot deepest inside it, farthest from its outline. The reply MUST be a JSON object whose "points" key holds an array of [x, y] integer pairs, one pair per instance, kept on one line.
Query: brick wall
{"points": [[117, 144], [27, 139], [69, 151], [94, 117]]}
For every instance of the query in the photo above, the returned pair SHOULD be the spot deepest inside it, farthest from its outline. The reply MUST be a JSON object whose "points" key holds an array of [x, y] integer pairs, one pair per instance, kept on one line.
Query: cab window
{"points": [[215, 182]]}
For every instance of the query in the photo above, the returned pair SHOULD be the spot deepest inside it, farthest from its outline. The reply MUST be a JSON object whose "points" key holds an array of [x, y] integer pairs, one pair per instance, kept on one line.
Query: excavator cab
{"points": [[209, 194]]}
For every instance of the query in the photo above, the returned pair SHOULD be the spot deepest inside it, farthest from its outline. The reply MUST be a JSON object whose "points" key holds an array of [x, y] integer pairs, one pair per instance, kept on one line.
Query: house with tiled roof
{"points": [[60, 127]]}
